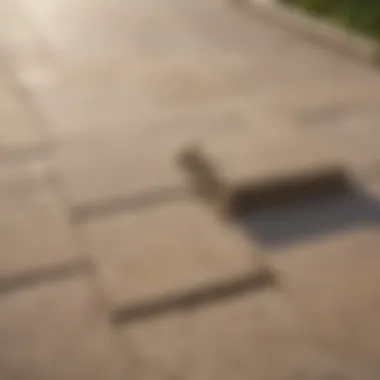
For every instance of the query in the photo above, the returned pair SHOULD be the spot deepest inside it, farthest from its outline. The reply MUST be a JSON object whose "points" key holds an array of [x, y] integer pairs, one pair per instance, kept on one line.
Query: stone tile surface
{"points": [[334, 284], [166, 251], [121, 86], [127, 68], [34, 227], [158, 348], [250, 154], [102, 166], [257, 335], [133, 159], [57, 331]]}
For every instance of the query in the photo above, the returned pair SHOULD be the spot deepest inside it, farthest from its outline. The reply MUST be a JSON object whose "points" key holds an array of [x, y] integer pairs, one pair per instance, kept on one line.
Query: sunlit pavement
{"points": [[110, 268]]}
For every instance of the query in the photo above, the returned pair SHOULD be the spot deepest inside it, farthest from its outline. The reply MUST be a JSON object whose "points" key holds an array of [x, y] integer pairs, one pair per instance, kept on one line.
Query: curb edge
{"points": [[315, 30]]}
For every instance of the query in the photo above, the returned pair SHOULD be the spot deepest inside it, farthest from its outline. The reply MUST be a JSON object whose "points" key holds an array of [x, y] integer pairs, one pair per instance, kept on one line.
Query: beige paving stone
{"points": [[57, 331], [34, 228], [334, 283], [252, 154], [259, 336], [254, 157], [168, 63], [256, 335], [356, 134], [176, 59], [160, 253], [159, 347], [80, 104], [174, 92], [101, 166]]}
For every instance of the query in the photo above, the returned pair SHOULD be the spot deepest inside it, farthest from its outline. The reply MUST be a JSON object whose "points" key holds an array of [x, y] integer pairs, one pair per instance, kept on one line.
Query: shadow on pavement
{"points": [[44, 275], [311, 218]]}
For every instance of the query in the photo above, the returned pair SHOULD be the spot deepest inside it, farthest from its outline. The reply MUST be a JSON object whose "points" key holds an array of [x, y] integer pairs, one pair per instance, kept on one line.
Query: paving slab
{"points": [[56, 332], [177, 57], [156, 258], [250, 154], [158, 348], [334, 284], [248, 164], [260, 336], [256, 335], [103, 166], [355, 133], [115, 79], [35, 231], [254, 151]]}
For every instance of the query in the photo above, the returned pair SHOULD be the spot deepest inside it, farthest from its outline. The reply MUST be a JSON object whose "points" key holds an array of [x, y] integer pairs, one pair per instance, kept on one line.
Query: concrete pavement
{"points": [[98, 222]]}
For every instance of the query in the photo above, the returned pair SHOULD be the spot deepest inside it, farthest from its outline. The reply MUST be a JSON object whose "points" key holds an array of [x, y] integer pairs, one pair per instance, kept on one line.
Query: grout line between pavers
{"points": [[44, 275]]}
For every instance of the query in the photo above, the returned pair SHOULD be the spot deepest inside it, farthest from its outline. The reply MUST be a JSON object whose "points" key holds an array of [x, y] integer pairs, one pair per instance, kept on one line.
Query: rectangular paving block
{"points": [[169, 256], [57, 331], [83, 100], [158, 348], [141, 75], [35, 231], [260, 336], [260, 169], [334, 282], [102, 166], [252, 154], [237, 198], [255, 335], [355, 134]]}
